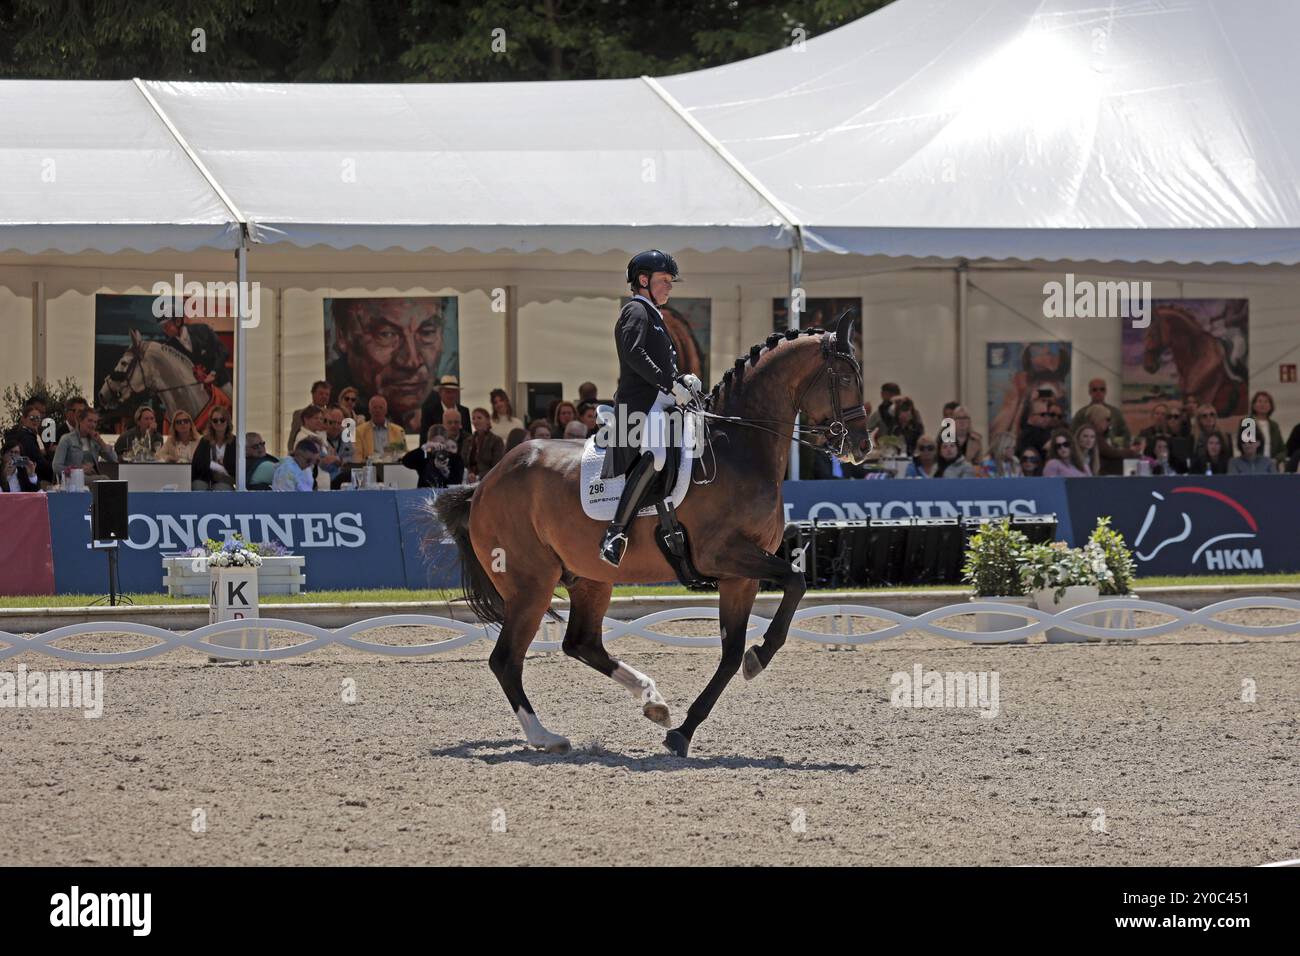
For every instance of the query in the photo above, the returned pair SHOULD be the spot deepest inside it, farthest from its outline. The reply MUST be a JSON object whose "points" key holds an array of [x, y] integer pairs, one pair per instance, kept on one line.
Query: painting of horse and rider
{"points": [[1193, 349]]}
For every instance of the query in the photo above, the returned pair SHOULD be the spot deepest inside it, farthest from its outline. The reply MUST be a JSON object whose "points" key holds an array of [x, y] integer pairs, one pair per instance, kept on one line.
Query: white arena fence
{"points": [[1073, 620]]}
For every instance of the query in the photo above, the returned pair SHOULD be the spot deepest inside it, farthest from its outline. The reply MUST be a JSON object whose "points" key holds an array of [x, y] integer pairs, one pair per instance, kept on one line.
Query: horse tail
{"points": [[451, 509]]}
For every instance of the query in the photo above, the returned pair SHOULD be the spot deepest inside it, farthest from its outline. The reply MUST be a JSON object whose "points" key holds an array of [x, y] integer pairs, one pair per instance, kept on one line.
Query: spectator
{"points": [[1112, 459], [1119, 435], [1213, 458], [587, 392], [948, 409], [484, 448], [952, 464], [17, 471], [565, 412], [348, 402], [313, 426], [1207, 424], [883, 417], [336, 451], [1036, 431], [905, 423], [453, 430], [541, 428], [259, 467], [1162, 459], [517, 437], [587, 417], [1001, 461], [1031, 463], [1252, 461], [145, 431], [72, 409], [85, 448], [320, 397], [296, 473], [575, 429], [433, 410], [438, 461], [926, 462], [213, 468], [30, 441], [182, 442], [1088, 448], [1268, 431], [1159, 422], [375, 435], [503, 415], [1181, 445], [1065, 460]]}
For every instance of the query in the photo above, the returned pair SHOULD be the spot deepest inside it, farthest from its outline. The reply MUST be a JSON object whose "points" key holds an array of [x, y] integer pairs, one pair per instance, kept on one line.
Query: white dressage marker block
{"points": [[234, 598]]}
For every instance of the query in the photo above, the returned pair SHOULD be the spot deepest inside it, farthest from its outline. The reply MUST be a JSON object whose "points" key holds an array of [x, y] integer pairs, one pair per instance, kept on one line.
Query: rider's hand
{"points": [[690, 381], [681, 393]]}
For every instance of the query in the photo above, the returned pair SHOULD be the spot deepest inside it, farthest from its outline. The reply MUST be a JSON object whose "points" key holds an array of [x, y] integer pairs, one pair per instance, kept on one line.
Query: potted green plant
{"points": [[1119, 562], [992, 569], [1061, 577]]}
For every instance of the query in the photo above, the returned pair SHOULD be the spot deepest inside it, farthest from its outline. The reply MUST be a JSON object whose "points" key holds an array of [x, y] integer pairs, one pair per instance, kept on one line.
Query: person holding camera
{"points": [[438, 461], [17, 471]]}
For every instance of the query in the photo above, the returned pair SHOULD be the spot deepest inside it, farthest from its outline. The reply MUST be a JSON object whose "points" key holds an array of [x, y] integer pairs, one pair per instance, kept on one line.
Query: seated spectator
{"points": [[961, 418], [454, 430], [320, 397], [259, 467], [883, 418], [539, 428], [1162, 460], [438, 461], [1159, 422], [587, 416], [85, 448], [17, 471], [297, 472], [1036, 431], [348, 402], [517, 437], [1112, 458], [336, 451], [180, 445], [435, 407], [1214, 458], [1118, 434], [313, 426], [1181, 445], [565, 412], [926, 462], [905, 423], [1065, 460], [1031, 464], [1088, 446], [72, 410], [145, 431], [213, 467], [483, 448], [1252, 460], [575, 429], [31, 443], [1269, 432], [503, 415], [374, 436], [1001, 460], [952, 464], [587, 392], [1207, 424]]}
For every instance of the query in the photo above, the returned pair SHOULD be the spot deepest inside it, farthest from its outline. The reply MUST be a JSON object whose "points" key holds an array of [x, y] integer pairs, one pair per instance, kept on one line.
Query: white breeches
{"points": [[654, 437]]}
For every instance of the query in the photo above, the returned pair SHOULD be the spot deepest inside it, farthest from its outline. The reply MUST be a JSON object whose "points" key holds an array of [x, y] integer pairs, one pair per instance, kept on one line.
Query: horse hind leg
{"points": [[523, 615], [583, 640]]}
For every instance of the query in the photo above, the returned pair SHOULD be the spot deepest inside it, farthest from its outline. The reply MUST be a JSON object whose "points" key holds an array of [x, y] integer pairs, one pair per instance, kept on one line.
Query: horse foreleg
{"points": [[735, 600], [751, 561]]}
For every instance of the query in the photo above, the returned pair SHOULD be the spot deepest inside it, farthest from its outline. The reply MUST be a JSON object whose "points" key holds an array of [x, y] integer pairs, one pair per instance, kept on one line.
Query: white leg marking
{"points": [[643, 689], [538, 736]]}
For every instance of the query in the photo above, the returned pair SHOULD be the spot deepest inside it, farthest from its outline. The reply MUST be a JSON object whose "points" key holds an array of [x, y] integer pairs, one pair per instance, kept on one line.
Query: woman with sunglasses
{"points": [[1063, 459], [348, 399], [182, 442], [213, 468], [1207, 424], [926, 463], [1031, 464]]}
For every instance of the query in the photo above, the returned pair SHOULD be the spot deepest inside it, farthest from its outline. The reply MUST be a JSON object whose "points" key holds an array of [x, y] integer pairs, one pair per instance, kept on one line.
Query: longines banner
{"points": [[1197, 525], [350, 539]]}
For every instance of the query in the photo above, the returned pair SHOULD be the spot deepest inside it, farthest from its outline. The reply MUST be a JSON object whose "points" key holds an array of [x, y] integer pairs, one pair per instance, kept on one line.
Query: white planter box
{"points": [[1045, 599], [988, 622], [188, 577]]}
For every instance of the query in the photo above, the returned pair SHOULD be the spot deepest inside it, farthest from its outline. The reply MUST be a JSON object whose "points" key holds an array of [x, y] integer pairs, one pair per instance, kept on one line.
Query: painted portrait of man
{"points": [[394, 347]]}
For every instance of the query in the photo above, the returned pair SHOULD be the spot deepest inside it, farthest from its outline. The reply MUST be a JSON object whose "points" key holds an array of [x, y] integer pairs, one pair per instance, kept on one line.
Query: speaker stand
{"points": [[113, 599]]}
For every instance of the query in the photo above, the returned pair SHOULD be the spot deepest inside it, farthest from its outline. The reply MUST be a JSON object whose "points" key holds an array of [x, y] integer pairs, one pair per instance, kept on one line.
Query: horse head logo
{"points": [[1167, 524]]}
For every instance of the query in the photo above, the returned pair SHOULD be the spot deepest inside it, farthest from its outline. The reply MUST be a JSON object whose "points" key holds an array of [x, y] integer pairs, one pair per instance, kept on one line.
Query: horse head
{"points": [[127, 376], [832, 400]]}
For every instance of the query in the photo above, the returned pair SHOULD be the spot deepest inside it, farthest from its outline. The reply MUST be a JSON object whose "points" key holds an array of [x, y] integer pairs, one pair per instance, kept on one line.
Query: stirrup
{"points": [[613, 548]]}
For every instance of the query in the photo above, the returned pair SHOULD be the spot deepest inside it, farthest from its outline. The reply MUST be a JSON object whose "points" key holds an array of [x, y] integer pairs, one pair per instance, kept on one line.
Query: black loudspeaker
{"points": [[109, 518]]}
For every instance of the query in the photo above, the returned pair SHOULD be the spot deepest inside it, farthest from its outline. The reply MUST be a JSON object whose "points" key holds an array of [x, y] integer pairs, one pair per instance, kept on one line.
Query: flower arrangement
{"points": [[235, 552], [1058, 566], [1119, 559], [992, 566]]}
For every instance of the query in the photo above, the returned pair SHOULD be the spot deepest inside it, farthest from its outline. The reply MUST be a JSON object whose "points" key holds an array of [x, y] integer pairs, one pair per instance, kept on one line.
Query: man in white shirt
{"points": [[295, 472]]}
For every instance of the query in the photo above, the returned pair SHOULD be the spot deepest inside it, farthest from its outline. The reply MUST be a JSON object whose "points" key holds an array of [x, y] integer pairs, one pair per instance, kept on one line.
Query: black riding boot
{"points": [[638, 481]]}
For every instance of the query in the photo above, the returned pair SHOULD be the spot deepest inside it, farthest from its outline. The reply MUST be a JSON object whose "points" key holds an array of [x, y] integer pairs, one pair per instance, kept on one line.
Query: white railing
{"points": [[1075, 621]]}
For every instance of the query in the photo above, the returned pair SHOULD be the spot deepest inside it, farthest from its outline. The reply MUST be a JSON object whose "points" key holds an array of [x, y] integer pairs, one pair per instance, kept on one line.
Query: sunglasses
{"points": [[1030, 459], [925, 447], [218, 421], [1062, 444], [181, 421]]}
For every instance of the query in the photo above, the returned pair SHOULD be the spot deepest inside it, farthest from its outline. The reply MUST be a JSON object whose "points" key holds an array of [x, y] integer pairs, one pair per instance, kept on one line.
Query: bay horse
{"points": [[1199, 357], [521, 531], [156, 368]]}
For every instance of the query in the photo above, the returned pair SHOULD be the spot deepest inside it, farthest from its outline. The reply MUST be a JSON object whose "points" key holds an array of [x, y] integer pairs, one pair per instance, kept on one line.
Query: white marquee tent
{"points": [[931, 140]]}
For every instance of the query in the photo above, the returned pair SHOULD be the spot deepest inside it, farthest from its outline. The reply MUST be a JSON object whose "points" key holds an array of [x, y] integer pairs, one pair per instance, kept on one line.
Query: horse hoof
{"points": [[751, 667], [658, 712], [558, 746], [677, 743]]}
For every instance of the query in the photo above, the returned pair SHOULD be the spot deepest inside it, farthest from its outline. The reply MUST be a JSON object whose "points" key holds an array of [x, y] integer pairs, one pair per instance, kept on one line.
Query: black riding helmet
{"points": [[649, 262]]}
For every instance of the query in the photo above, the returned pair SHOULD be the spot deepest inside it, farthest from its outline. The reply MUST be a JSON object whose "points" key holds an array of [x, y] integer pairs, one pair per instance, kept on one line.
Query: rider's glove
{"points": [[685, 388]]}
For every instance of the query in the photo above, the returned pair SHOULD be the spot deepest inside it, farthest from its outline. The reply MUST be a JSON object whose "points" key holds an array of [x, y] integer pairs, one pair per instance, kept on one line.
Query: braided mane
{"points": [[735, 375]]}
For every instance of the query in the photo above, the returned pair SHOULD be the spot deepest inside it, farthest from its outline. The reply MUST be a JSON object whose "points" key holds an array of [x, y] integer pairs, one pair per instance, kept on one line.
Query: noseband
{"points": [[834, 429]]}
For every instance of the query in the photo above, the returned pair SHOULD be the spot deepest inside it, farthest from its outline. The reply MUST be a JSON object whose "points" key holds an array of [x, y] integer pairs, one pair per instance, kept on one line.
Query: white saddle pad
{"points": [[600, 495]]}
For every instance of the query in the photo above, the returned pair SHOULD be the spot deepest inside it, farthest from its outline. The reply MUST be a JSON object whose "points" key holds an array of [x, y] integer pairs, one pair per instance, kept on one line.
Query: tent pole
{"points": [[962, 298], [39, 344], [512, 343], [795, 307], [241, 365]]}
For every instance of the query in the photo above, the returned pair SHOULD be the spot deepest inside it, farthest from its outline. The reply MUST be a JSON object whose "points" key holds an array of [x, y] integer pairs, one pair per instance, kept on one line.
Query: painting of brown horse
{"points": [[521, 531], [1203, 362]]}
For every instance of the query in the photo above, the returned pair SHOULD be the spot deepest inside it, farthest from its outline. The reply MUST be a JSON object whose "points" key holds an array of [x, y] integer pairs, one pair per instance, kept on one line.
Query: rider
{"points": [[648, 382]]}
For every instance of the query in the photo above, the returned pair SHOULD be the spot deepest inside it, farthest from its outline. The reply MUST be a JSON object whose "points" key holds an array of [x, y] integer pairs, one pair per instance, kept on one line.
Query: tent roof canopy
{"points": [[1003, 129]]}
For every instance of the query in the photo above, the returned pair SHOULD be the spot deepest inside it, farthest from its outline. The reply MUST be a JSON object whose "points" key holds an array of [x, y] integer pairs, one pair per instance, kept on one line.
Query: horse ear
{"points": [[844, 332], [136, 338]]}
